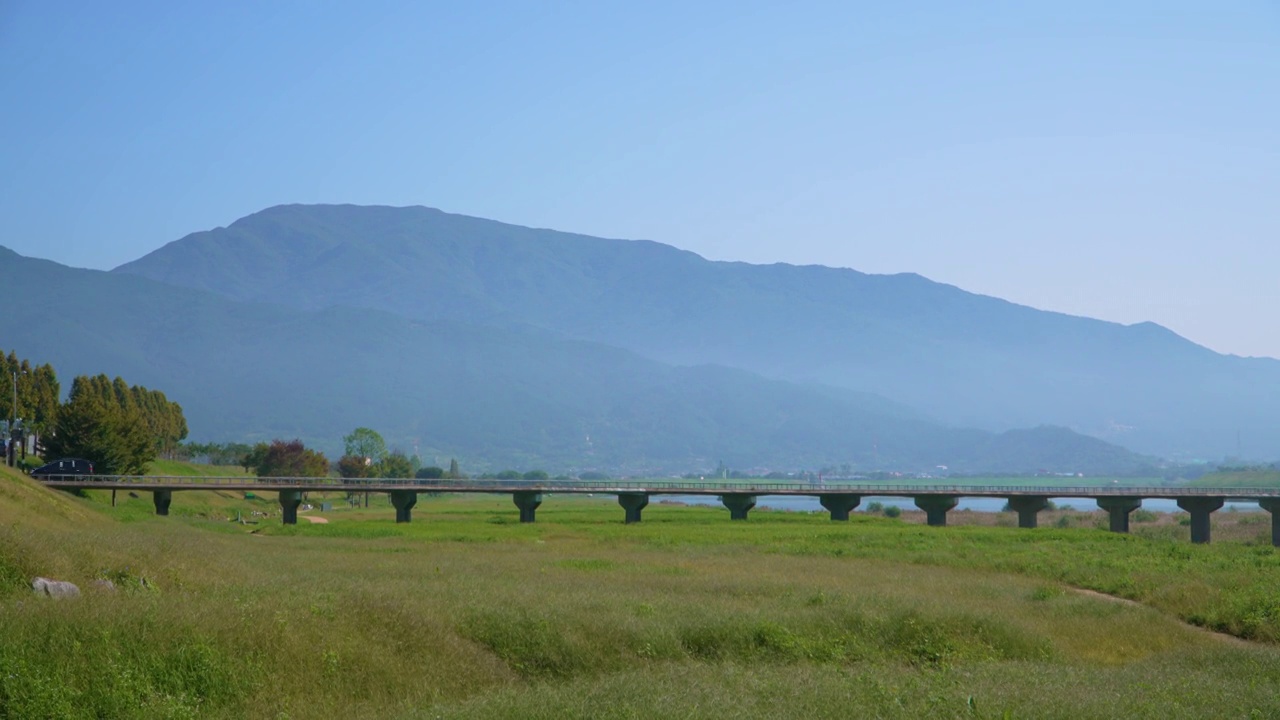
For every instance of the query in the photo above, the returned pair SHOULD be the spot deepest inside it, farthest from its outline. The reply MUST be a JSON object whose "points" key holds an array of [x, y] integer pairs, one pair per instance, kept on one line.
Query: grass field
{"points": [[467, 613], [1240, 479]]}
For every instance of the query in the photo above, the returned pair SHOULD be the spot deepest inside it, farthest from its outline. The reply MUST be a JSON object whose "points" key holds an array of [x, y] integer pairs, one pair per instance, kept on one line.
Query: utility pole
{"points": [[13, 419]]}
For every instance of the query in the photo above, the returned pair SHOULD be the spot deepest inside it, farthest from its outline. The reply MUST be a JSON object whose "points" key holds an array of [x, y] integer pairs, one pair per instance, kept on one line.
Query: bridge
{"points": [[739, 498]]}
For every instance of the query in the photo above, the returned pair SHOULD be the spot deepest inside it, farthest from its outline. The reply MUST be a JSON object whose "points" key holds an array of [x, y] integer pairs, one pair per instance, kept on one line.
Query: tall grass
{"points": [[464, 614]]}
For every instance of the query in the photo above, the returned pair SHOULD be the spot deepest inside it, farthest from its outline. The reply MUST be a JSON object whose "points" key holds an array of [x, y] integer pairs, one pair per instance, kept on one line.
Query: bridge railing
{"points": [[650, 486]]}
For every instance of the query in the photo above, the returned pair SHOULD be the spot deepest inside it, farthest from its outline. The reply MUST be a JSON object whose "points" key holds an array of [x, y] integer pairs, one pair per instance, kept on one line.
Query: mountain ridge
{"points": [[965, 358], [493, 397]]}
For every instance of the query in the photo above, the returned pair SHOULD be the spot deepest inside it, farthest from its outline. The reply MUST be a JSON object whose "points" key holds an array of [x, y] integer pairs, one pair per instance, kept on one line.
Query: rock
{"points": [[103, 585], [54, 588]]}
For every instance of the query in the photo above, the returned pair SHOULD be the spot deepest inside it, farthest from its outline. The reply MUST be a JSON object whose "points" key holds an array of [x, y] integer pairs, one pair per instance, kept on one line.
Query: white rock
{"points": [[54, 588]]}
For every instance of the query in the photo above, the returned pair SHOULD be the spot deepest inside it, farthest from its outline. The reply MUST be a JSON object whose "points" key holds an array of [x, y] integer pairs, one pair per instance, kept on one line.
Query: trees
{"points": [[429, 473], [364, 442], [95, 426], [255, 457], [395, 465], [287, 459], [38, 394], [118, 427], [228, 453], [164, 419], [351, 467]]}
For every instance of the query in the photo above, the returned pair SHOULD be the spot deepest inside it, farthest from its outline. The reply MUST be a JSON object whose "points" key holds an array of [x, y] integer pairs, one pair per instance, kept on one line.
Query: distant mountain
{"points": [[963, 358], [494, 397]]}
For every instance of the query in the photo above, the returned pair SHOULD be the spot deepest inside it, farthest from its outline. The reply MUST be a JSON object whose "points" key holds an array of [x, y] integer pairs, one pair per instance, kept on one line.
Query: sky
{"points": [[1115, 160]]}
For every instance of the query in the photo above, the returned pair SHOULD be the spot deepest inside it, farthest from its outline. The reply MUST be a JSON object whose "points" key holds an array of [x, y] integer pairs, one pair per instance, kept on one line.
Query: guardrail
{"points": [[661, 487]]}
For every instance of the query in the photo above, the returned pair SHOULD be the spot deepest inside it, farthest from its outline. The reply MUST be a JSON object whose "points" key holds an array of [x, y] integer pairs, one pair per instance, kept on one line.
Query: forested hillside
{"points": [[960, 357], [494, 396]]}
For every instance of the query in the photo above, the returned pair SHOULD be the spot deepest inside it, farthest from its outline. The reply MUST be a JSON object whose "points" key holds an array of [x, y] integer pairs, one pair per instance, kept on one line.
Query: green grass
{"points": [[189, 469], [467, 613], [1240, 479], [1054, 481]]}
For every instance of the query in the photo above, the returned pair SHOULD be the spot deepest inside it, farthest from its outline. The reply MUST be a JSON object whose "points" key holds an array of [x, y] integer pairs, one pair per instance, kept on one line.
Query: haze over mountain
{"points": [[962, 358], [491, 396]]}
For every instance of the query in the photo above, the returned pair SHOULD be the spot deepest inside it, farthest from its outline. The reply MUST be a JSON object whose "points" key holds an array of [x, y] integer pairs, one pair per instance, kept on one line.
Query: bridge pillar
{"points": [[528, 501], [839, 505], [936, 507], [289, 502], [739, 504], [162, 498], [1119, 509], [633, 503], [403, 501], [1272, 505], [1200, 509], [1028, 507]]}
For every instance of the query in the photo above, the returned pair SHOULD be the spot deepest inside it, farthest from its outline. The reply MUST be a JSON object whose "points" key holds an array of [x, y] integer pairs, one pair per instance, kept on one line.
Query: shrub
{"points": [[1143, 516], [892, 511], [875, 507]]}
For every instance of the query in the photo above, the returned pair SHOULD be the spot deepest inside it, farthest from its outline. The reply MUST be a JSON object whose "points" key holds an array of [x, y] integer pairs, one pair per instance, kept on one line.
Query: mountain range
{"points": [[510, 346], [961, 358]]}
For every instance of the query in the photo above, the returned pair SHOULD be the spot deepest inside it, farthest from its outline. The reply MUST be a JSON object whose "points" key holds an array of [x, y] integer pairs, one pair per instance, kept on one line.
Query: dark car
{"points": [[65, 466]]}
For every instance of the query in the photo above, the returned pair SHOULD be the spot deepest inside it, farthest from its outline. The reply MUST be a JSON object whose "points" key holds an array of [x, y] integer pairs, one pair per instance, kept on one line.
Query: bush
{"points": [[875, 507], [892, 511], [1143, 516], [429, 473]]}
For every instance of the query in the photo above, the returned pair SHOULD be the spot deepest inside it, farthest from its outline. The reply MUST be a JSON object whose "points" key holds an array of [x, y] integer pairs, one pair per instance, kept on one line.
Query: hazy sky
{"points": [[1113, 159]]}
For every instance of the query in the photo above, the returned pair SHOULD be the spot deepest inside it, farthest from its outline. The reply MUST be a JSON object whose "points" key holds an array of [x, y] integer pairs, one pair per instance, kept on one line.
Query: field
{"points": [[467, 613], [1240, 479]]}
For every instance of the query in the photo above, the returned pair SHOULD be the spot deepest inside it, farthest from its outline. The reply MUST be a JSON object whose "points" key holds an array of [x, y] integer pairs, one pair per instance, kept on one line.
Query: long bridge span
{"points": [[739, 498]]}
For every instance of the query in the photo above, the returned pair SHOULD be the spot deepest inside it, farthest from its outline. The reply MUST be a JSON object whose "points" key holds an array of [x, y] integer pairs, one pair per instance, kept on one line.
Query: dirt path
{"points": [[1224, 637], [315, 519]]}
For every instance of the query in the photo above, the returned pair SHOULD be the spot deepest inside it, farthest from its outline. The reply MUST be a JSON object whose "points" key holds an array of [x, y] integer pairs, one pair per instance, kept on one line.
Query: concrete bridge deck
{"points": [[838, 498]]}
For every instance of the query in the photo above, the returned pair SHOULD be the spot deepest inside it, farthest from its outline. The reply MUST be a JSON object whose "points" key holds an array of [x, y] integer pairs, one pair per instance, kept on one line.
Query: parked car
{"points": [[65, 466]]}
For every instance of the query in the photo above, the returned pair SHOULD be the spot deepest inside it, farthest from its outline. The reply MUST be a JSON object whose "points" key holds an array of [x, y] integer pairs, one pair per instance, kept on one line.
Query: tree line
{"points": [[37, 397], [118, 427], [365, 455]]}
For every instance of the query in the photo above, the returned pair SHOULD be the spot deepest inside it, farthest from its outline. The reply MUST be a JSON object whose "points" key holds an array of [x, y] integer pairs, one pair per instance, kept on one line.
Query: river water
{"points": [[808, 503]]}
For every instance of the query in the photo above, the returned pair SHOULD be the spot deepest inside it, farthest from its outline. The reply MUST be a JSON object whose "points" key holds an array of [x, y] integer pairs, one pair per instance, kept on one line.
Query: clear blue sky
{"points": [[1113, 159]]}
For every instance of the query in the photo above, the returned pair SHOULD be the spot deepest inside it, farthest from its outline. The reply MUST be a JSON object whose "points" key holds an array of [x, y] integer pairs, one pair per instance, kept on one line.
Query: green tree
{"points": [[291, 459], [536, 475], [255, 457], [454, 472], [164, 418], [429, 473], [94, 427], [351, 467], [395, 465], [38, 395], [367, 443]]}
